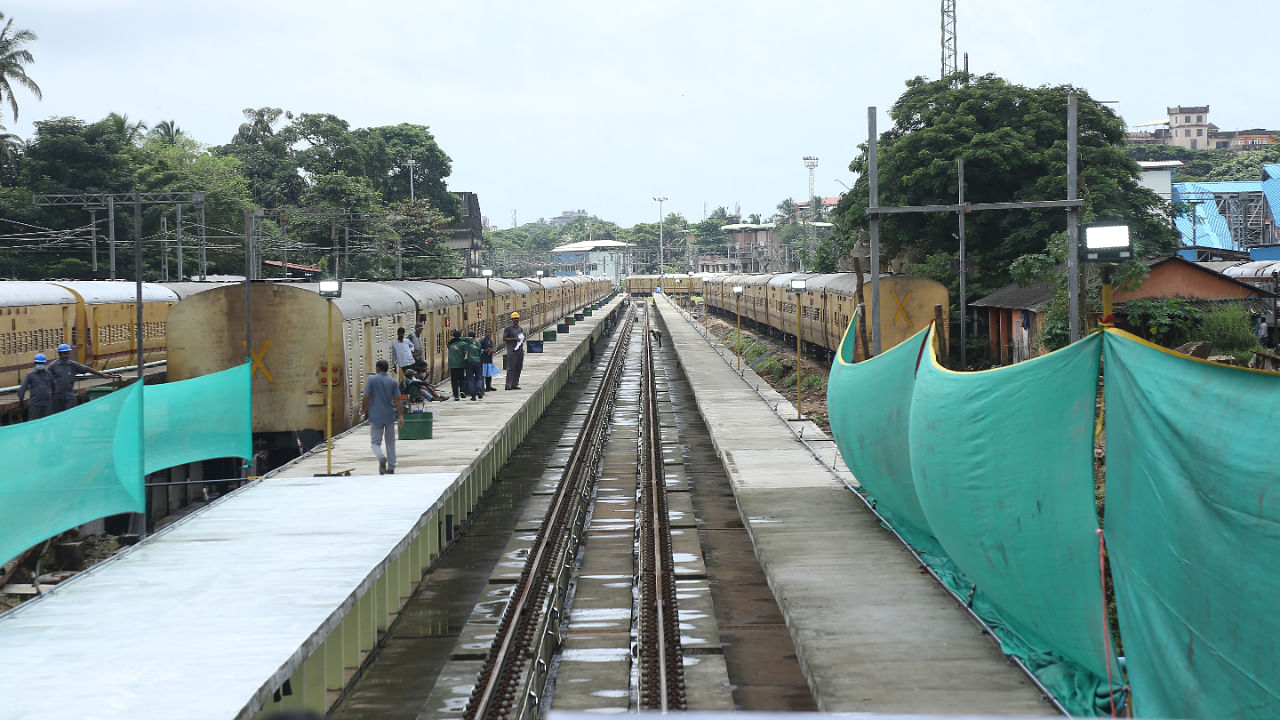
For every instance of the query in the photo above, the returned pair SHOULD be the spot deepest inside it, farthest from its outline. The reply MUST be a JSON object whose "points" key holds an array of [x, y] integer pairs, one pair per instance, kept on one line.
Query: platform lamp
{"points": [[488, 300], [737, 296], [1106, 244], [798, 286], [329, 289]]}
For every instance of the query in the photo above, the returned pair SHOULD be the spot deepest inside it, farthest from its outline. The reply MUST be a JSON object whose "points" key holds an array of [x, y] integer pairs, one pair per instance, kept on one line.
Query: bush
{"points": [[1168, 321], [1229, 327]]}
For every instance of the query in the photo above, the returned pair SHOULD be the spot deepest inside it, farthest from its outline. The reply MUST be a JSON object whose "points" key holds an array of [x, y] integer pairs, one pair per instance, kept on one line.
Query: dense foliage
{"points": [[329, 191], [1209, 165], [1013, 140]]}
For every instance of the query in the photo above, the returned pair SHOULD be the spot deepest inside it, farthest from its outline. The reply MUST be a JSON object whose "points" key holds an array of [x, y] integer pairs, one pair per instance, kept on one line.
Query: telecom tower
{"points": [[949, 64], [811, 162]]}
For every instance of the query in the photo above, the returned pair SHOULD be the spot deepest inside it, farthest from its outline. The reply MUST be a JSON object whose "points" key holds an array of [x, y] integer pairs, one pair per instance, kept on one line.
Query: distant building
{"points": [[1189, 127], [598, 258], [466, 236], [1157, 176], [567, 217]]}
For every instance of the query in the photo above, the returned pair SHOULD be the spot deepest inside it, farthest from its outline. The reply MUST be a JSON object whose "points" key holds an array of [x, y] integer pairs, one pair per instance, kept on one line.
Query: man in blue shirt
{"points": [[385, 411], [64, 371], [39, 383]]}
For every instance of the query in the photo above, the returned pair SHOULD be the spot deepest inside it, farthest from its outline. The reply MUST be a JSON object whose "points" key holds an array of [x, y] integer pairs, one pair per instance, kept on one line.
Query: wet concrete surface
{"points": [[406, 668], [756, 647]]}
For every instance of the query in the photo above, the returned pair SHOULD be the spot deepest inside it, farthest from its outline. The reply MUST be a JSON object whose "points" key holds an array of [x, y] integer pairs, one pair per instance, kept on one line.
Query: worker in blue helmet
{"points": [[39, 383], [64, 371]]}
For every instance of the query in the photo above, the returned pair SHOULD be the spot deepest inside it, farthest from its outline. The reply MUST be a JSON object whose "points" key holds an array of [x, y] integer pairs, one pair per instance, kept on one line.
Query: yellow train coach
{"points": [[827, 304]]}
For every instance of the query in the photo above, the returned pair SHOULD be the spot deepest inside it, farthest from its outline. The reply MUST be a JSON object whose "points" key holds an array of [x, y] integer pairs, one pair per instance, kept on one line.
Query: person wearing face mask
{"points": [[38, 382]]}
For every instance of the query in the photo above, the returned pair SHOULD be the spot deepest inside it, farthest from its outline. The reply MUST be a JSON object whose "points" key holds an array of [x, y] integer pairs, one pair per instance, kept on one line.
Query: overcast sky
{"points": [[549, 106]]}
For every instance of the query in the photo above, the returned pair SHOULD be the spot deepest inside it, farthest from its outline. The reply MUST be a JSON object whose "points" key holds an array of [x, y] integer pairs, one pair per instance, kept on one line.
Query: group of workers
{"points": [[52, 385], [471, 372]]}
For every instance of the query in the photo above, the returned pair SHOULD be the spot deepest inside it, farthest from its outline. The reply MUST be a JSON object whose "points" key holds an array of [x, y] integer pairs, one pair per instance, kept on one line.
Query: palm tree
{"points": [[10, 147], [168, 131], [127, 132], [14, 57]]}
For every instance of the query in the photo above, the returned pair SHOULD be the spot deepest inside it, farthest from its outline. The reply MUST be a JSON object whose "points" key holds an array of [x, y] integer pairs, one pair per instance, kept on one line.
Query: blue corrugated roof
{"points": [[1208, 228], [1271, 189]]}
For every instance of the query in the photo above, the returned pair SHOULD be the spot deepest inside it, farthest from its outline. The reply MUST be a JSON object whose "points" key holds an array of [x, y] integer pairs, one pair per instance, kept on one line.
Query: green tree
{"points": [[420, 229], [267, 158], [168, 131], [1245, 166], [1197, 164], [1013, 141], [14, 59]]}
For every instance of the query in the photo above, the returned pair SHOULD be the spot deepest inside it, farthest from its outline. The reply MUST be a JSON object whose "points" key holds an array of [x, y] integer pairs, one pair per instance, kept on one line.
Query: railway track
{"points": [[661, 663], [515, 669]]}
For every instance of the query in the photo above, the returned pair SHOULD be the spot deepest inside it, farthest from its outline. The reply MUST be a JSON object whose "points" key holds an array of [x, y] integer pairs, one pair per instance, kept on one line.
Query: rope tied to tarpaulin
{"points": [[1106, 627]]}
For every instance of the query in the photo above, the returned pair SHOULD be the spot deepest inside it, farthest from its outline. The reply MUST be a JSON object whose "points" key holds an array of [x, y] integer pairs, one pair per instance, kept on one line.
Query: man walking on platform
{"points": [[385, 411], [513, 336]]}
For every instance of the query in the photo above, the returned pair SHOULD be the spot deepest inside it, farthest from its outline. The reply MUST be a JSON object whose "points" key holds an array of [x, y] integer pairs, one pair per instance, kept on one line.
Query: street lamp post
{"points": [[329, 289], [1106, 243], [798, 286], [488, 300], [737, 296], [661, 262], [411, 164]]}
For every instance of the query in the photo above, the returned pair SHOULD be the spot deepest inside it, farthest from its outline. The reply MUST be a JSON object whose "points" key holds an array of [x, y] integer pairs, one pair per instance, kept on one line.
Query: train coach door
{"points": [[368, 349]]}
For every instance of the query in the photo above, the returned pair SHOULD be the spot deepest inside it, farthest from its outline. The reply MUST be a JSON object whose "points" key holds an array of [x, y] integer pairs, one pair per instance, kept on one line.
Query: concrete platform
{"points": [[872, 632], [269, 598]]}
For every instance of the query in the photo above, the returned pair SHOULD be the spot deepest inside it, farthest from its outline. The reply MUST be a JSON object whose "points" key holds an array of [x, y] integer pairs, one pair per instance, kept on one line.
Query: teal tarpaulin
{"points": [[1193, 528], [82, 464]]}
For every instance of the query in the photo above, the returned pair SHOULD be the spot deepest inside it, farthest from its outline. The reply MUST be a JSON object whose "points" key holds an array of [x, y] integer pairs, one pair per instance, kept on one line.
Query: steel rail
{"points": [[526, 636], [661, 660]]}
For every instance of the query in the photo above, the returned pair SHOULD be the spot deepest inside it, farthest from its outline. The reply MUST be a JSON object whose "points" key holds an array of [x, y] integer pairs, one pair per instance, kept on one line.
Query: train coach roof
{"points": [[187, 289], [470, 289], [99, 292], [512, 286], [1254, 269], [783, 280], [428, 294], [363, 299], [14, 293]]}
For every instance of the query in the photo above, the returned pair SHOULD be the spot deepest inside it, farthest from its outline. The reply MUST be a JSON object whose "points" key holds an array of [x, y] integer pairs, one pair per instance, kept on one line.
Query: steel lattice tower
{"points": [[949, 65]]}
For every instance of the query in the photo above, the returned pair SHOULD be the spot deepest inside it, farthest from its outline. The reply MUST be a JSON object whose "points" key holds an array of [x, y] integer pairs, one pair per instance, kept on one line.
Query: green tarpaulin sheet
{"points": [[67, 469], [1003, 467], [198, 419], [989, 476], [1193, 529], [82, 464], [869, 408]]}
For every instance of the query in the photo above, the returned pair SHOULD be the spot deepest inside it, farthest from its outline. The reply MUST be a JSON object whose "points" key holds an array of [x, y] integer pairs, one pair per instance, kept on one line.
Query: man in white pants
{"points": [[385, 411]]}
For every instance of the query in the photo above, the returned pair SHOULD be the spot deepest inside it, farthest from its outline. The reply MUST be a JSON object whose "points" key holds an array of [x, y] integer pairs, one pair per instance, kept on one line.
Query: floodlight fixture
{"points": [[331, 288], [486, 272], [1106, 242], [539, 273]]}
